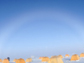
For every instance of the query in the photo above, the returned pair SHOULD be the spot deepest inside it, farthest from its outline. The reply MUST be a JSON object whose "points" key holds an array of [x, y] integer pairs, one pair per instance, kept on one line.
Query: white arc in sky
{"points": [[16, 23]]}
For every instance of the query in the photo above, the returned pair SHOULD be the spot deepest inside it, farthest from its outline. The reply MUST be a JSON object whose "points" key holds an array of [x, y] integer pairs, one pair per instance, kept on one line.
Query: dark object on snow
{"points": [[8, 58]]}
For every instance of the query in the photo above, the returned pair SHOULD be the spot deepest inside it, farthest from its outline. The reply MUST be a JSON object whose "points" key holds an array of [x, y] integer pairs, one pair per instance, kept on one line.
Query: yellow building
{"points": [[82, 55], [53, 56], [67, 55], [29, 60], [40, 58], [5, 61], [45, 59], [60, 56], [55, 60], [20, 60], [14, 60], [0, 60], [75, 57]]}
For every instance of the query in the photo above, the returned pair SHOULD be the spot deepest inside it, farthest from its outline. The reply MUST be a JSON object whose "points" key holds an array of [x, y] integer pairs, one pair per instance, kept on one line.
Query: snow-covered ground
{"points": [[67, 60]]}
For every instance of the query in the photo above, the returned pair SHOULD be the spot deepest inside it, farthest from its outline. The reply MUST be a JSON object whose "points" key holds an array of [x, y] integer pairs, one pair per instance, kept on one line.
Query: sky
{"points": [[41, 28]]}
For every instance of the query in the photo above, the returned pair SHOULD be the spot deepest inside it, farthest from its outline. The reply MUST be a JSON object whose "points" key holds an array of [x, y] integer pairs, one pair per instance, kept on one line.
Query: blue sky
{"points": [[41, 28]]}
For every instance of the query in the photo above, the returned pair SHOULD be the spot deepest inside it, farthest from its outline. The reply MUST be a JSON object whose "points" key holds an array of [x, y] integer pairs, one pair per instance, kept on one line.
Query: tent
{"points": [[14, 60], [5, 61], [20, 60], [82, 55], [67, 55], [55, 60], [60, 56], [45, 59], [29, 60], [0, 60], [75, 57]]}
